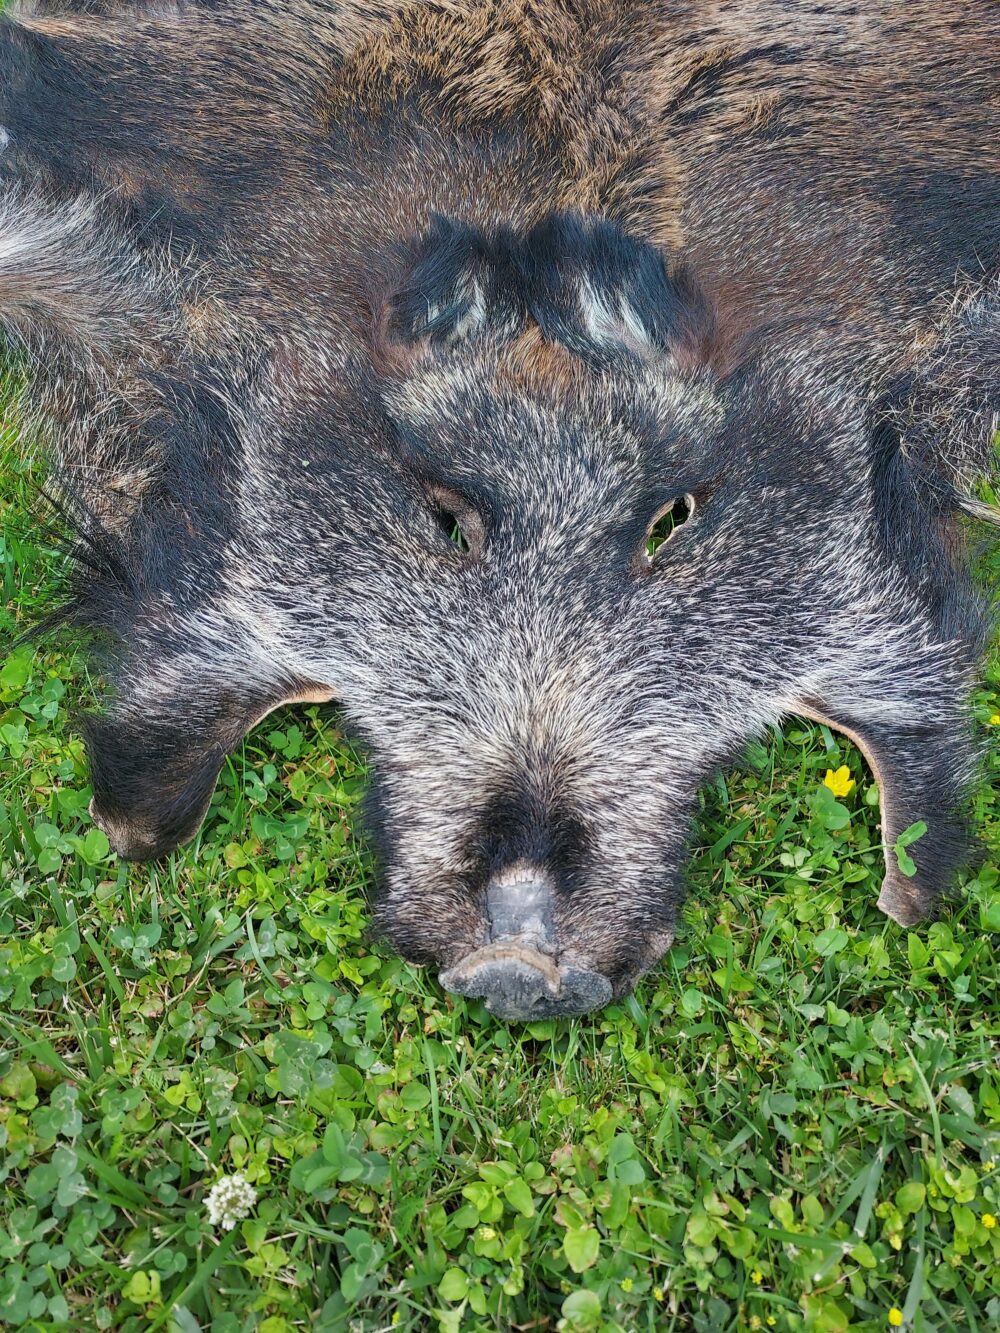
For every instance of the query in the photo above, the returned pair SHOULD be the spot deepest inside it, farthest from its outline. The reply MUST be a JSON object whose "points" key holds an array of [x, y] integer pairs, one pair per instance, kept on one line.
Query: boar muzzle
{"points": [[518, 972]]}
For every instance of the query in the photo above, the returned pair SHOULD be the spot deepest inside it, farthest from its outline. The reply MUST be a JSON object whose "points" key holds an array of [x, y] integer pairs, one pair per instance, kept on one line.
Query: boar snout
{"points": [[519, 907], [518, 972], [520, 983]]}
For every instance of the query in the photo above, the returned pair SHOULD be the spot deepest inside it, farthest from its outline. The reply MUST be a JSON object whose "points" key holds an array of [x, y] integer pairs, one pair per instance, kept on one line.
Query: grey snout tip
{"points": [[520, 983], [516, 973]]}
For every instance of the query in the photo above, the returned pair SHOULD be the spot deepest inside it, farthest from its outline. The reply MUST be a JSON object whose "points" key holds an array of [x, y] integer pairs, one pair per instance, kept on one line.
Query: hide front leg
{"points": [[922, 769], [153, 770]]}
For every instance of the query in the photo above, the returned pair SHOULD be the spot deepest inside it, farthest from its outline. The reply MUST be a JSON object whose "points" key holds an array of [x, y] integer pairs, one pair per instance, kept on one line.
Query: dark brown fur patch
{"points": [[537, 367], [541, 67]]}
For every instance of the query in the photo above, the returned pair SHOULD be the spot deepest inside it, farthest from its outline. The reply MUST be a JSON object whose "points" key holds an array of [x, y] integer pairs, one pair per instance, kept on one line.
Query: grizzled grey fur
{"points": [[373, 339]]}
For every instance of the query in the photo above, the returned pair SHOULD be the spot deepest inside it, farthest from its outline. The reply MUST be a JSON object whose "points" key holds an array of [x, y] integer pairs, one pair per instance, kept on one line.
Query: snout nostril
{"points": [[518, 983], [516, 973], [513, 990]]}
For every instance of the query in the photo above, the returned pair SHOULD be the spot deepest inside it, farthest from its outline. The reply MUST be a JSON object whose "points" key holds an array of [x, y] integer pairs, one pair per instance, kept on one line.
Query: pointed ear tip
{"points": [[637, 295], [441, 292]]}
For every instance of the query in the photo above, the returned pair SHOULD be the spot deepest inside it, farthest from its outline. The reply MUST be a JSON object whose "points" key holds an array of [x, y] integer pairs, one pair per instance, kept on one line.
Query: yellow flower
{"points": [[771, 1321], [757, 1276], [627, 1284], [841, 782], [657, 1293], [995, 720], [895, 1317], [988, 1220]]}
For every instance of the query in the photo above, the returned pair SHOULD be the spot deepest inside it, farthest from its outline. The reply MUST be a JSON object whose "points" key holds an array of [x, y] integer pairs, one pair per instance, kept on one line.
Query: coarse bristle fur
{"points": [[377, 343]]}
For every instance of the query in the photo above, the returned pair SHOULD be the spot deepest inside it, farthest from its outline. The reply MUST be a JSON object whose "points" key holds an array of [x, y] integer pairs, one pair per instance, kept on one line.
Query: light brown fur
{"points": [[764, 142]]}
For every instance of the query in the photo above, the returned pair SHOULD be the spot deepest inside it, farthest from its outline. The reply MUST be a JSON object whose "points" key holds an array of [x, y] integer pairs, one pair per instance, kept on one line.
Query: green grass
{"points": [[794, 1123]]}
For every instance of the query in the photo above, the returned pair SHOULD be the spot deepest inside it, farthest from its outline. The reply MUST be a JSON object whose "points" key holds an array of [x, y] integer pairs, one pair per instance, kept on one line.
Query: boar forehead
{"points": [[597, 445]]}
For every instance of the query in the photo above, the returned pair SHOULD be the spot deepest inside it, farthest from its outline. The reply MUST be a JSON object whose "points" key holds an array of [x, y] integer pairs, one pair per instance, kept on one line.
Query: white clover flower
{"points": [[229, 1200]]}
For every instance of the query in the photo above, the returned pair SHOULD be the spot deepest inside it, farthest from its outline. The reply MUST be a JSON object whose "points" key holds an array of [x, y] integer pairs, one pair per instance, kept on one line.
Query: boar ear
{"points": [[587, 285], [458, 286], [603, 294]]}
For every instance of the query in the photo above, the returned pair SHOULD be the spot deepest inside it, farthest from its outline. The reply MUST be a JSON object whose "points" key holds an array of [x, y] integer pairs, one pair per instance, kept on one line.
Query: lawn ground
{"points": [[793, 1124]]}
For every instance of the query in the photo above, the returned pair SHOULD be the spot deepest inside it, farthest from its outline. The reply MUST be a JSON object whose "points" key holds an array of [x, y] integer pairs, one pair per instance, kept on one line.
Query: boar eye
{"points": [[666, 523], [452, 529], [458, 520]]}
